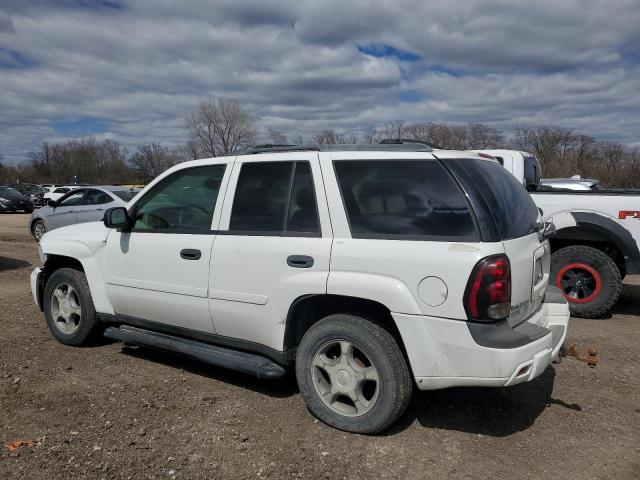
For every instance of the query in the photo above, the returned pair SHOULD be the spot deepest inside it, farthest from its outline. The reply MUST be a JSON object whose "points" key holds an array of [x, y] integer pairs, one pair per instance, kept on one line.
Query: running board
{"points": [[243, 362]]}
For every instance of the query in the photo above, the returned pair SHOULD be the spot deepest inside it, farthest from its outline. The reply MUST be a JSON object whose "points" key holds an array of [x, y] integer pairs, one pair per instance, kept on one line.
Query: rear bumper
{"points": [[445, 353]]}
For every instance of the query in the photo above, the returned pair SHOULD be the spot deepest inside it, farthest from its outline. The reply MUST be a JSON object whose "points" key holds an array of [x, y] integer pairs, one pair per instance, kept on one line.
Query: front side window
{"points": [[184, 200], [72, 199], [403, 199], [275, 198]]}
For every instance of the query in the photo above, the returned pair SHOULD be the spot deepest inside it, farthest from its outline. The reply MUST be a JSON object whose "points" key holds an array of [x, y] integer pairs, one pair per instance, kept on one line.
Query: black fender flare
{"points": [[615, 232]]}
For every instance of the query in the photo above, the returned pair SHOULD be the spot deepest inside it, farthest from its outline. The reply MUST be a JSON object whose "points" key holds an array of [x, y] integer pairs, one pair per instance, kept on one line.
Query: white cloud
{"points": [[296, 66]]}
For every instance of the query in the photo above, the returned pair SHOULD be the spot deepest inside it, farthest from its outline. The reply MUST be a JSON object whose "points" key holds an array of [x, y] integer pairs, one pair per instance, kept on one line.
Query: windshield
{"points": [[8, 191], [125, 195]]}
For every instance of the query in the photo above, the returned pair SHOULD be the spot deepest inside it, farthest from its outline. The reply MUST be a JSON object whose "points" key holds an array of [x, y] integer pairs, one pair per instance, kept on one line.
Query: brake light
{"points": [[487, 297]]}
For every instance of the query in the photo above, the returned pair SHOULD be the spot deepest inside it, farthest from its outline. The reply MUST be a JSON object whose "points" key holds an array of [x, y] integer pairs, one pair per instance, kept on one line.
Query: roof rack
{"points": [[402, 141], [412, 146]]}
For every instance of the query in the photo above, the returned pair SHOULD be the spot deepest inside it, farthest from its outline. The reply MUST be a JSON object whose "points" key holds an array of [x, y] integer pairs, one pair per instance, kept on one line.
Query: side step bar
{"points": [[250, 363]]}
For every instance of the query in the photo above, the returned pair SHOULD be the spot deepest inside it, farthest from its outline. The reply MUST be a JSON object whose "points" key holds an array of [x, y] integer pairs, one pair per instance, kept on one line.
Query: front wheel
{"points": [[352, 374], [590, 280], [38, 229], [68, 308]]}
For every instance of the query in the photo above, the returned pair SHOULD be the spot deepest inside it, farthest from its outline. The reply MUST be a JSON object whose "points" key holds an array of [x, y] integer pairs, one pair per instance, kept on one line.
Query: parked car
{"points": [[11, 200], [371, 269], [573, 183], [58, 192], [49, 186], [597, 240], [34, 191], [86, 204]]}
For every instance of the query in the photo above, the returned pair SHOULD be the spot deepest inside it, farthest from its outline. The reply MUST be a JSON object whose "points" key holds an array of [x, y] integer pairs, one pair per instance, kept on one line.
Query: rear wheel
{"points": [[352, 374], [68, 308], [590, 280]]}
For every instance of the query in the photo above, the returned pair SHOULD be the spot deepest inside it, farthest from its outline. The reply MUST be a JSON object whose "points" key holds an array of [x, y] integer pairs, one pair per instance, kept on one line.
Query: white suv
{"points": [[370, 268]]}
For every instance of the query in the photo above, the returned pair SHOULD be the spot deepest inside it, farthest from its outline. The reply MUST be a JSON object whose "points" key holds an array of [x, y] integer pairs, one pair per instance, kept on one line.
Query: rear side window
{"points": [[275, 198], [504, 198], [96, 197], [403, 199]]}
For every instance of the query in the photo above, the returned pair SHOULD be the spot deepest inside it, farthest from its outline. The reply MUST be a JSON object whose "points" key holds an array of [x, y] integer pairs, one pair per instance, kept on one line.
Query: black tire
{"points": [[593, 264], [33, 228], [394, 386], [88, 326]]}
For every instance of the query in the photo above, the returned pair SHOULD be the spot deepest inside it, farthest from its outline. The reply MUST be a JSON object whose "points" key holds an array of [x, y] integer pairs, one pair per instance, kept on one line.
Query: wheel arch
{"points": [[85, 264], [306, 310], [604, 234]]}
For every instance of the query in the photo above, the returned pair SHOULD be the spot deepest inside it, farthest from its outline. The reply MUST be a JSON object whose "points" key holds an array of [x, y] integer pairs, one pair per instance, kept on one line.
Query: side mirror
{"points": [[51, 203], [541, 212], [116, 217]]}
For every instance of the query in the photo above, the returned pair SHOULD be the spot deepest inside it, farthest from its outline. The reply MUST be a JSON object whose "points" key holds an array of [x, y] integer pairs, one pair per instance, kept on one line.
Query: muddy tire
{"points": [[68, 308], [352, 374], [589, 279]]}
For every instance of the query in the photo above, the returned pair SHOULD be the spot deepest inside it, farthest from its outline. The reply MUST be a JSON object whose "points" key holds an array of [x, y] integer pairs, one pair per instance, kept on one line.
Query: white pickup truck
{"points": [[370, 269], [596, 240]]}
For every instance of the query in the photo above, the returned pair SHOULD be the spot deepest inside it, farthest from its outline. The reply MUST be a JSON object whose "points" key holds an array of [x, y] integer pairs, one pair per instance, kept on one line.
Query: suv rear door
{"points": [[273, 245]]}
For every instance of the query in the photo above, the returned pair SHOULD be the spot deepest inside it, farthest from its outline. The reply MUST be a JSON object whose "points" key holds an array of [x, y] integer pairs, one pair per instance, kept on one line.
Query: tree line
{"points": [[222, 126]]}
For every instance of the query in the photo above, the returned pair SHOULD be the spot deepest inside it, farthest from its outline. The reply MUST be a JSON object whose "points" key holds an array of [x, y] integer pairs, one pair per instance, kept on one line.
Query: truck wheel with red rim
{"points": [[589, 279]]}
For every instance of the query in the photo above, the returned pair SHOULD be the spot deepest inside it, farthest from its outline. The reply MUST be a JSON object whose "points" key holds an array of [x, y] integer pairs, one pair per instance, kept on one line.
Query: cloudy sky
{"points": [[131, 69]]}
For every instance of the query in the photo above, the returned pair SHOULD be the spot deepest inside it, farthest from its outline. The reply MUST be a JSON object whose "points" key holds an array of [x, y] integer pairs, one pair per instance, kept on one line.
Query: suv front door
{"points": [[273, 246], [159, 271]]}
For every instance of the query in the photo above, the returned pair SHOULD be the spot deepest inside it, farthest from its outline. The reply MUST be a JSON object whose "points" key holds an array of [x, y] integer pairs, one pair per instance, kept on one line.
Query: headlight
{"points": [[42, 255], [4, 200]]}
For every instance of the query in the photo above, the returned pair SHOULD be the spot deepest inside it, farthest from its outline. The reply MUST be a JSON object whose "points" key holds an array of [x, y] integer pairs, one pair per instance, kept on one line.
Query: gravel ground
{"points": [[113, 412]]}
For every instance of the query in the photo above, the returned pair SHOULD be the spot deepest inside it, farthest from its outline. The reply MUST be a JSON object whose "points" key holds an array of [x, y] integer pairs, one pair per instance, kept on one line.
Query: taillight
{"points": [[487, 297]]}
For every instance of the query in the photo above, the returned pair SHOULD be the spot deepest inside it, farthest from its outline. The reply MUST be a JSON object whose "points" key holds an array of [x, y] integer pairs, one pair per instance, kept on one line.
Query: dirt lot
{"points": [[114, 412]]}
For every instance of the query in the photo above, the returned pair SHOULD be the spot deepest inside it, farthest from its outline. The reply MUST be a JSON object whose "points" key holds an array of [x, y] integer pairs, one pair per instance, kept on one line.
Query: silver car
{"points": [[84, 204]]}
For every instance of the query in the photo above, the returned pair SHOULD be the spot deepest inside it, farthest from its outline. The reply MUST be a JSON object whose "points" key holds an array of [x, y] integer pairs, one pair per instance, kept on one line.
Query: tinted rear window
{"points": [[403, 199], [508, 202]]}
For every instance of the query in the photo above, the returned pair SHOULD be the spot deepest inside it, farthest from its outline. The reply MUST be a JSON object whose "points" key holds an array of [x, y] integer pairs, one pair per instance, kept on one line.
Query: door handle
{"points": [[190, 254], [300, 261], [99, 209]]}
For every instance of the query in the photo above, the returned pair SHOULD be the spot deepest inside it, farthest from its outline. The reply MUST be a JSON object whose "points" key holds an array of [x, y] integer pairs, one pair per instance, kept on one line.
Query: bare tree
{"points": [[481, 136], [151, 160], [278, 137], [394, 129], [90, 160], [220, 127], [371, 135], [328, 136]]}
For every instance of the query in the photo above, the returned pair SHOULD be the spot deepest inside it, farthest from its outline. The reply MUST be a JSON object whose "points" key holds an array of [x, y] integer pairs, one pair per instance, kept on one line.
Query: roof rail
{"points": [[413, 146], [402, 141]]}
